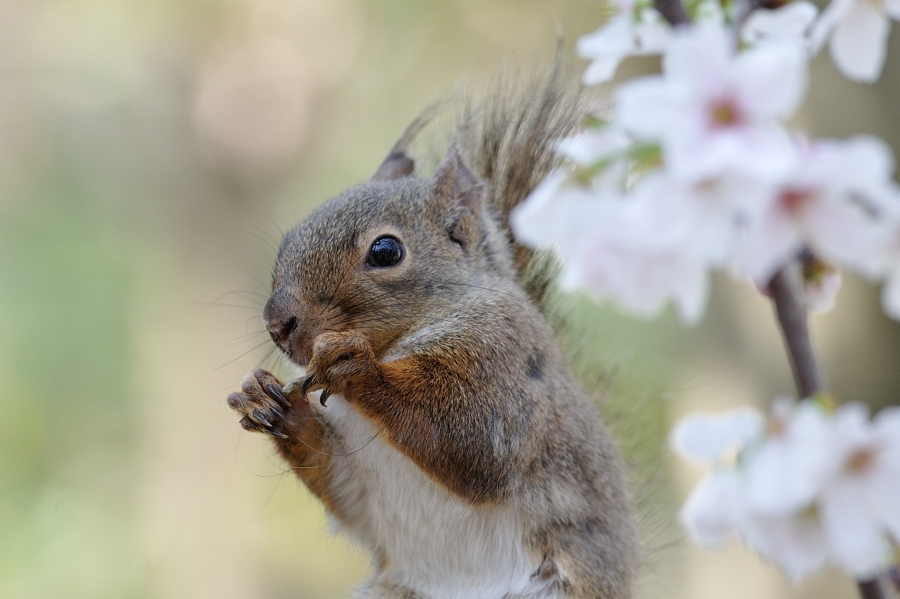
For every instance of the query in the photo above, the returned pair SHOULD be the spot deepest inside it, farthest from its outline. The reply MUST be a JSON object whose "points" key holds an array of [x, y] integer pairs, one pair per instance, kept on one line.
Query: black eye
{"points": [[386, 251]]}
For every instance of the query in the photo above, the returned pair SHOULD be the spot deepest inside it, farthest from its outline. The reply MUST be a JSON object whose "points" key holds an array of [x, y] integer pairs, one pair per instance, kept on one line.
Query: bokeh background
{"points": [[152, 153]]}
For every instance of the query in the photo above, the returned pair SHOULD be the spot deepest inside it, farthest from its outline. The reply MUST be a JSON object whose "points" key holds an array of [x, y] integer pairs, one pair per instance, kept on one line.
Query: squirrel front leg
{"points": [[426, 406], [300, 437]]}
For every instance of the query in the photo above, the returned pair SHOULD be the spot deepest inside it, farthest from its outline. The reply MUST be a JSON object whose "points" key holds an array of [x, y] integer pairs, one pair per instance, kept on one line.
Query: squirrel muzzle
{"points": [[291, 327]]}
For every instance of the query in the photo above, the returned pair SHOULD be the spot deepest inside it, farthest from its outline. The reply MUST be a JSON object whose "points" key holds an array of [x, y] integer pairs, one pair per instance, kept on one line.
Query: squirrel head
{"points": [[387, 257]]}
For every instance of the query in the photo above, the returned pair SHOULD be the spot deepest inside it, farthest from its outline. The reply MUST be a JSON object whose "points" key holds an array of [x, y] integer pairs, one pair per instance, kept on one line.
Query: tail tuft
{"points": [[508, 136]]}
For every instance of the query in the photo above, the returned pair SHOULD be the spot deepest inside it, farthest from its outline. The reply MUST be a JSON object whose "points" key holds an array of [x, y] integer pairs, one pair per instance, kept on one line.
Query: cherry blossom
{"points": [[654, 244], [717, 112], [826, 203], [811, 488], [861, 498], [697, 171], [613, 253]]}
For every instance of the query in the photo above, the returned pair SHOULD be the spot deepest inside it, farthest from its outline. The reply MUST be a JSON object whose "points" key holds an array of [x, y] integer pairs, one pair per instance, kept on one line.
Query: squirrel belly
{"points": [[424, 538]]}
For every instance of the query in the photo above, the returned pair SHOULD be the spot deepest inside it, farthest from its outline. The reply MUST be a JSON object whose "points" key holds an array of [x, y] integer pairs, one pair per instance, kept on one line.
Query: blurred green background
{"points": [[152, 152]]}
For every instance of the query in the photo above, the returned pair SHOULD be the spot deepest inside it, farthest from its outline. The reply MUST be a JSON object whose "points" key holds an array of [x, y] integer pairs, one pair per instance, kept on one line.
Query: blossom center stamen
{"points": [[793, 200], [724, 113], [861, 460]]}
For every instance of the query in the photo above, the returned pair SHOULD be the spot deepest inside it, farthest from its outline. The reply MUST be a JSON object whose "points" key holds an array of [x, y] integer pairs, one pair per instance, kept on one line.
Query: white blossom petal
{"points": [[769, 243], [828, 20], [796, 543], [559, 214], [853, 531], [787, 472], [602, 69], [593, 145], [842, 233], [887, 435], [713, 509], [862, 163], [859, 43], [652, 32], [771, 79], [763, 153], [606, 48], [642, 282], [645, 107], [785, 23], [890, 295], [699, 56], [706, 439]]}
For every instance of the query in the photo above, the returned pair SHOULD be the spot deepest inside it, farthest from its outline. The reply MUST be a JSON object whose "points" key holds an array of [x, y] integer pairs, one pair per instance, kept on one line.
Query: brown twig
{"points": [[787, 294], [871, 589], [672, 11], [786, 288]]}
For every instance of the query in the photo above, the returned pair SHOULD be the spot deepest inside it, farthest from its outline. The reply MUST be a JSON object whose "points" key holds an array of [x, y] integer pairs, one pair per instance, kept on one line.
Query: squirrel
{"points": [[447, 437]]}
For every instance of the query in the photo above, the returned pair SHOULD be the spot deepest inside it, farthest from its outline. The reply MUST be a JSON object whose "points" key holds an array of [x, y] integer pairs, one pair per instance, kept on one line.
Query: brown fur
{"points": [[447, 353]]}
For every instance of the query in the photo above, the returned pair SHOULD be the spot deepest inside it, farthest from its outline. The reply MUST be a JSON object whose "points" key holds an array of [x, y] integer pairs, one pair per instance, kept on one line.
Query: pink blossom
{"points": [[827, 203], [717, 112]]}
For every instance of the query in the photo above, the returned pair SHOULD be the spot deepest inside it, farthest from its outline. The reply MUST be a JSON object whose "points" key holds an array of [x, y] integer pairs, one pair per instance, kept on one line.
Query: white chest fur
{"points": [[427, 539]]}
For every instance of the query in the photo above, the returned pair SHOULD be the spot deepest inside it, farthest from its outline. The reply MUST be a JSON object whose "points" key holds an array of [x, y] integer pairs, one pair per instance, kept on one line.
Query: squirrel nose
{"points": [[281, 329]]}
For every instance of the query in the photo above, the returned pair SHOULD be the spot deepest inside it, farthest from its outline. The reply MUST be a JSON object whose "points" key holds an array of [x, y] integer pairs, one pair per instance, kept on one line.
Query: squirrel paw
{"points": [[262, 404], [337, 359]]}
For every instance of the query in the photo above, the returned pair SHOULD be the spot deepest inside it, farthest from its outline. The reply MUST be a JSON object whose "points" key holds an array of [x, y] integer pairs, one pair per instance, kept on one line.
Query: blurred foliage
{"points": [[152, 152]]}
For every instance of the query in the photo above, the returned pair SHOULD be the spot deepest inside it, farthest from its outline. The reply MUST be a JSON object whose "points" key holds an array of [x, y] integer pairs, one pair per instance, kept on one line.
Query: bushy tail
{"points": [[508, 136]]}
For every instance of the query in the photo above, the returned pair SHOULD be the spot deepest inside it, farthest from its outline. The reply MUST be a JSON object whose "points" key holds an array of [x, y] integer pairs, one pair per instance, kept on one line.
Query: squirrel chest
{"points": [[427, 538]]}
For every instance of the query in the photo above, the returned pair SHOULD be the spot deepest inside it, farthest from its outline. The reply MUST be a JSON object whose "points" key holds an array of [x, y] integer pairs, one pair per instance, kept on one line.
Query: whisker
{"points": [[244, 354]]}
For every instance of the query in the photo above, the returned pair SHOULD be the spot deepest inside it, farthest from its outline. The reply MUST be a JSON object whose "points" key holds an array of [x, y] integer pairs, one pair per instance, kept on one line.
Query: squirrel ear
{"points": [[453, 180], [396, 165]]}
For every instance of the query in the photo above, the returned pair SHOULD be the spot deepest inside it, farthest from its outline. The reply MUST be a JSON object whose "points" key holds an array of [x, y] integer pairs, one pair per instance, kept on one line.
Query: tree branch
{"points": [[787, 295], [871, 589]]}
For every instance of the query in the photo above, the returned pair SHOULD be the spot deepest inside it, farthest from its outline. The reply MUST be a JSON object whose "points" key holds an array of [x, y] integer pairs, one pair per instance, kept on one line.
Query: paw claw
{"points": [[307, 382], [260, 417], [275, 433], [276, 394], [326, 393]]}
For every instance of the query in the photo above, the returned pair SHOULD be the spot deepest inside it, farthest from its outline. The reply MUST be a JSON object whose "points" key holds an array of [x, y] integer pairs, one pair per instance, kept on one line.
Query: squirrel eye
{"points": [[385, 251]]}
